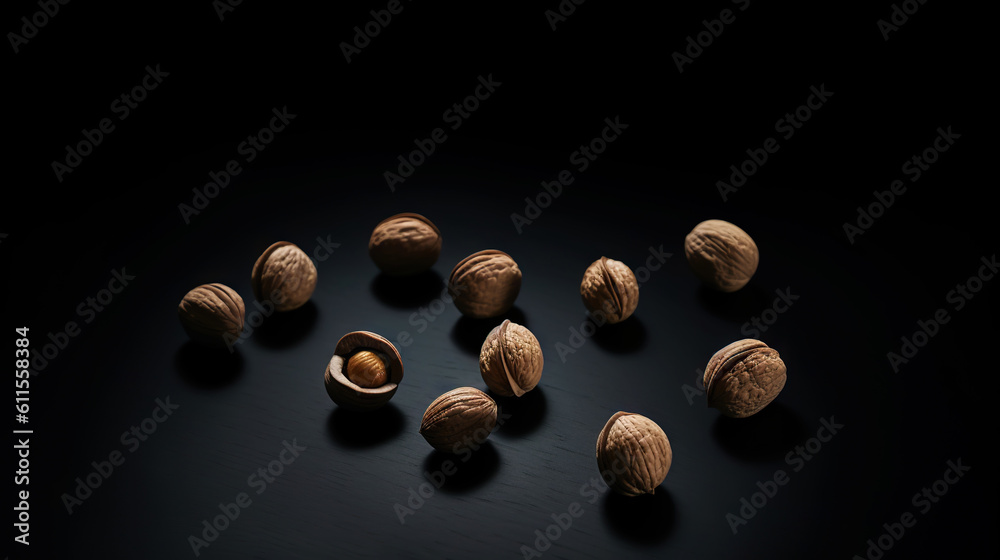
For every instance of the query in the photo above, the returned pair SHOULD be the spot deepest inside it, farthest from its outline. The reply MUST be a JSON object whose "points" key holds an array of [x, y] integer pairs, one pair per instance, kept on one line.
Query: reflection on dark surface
{"points": [[469, 469], [766, 436], [470, 333], [527, 412], [285, 329], [364, 429], [621, 338], [408, 291], [749, 301], [207, 368], [646, 519]]}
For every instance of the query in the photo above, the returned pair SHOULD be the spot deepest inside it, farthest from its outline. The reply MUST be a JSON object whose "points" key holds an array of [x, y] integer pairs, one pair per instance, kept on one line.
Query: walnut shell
{"points": [[459, 419], [212, 315], [633, 454], [485, 284], [405, 244], [743, 378], [283, 275], [609, 287], [721, 254], [511, 360], [349, 394]]}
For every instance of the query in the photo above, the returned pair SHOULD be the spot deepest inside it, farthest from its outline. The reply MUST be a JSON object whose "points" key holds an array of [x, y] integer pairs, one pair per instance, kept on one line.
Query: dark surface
{"points": [[322, 179]]}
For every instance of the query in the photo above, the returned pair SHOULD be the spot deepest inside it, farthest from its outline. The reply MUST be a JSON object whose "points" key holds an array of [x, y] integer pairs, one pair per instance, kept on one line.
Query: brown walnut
{"points": [[459, 419], [609, 287], [212, 315], [511, 360], [405, 244], [724, 256], [283, 275], [485, 284], [743, 378], [635, 454]]}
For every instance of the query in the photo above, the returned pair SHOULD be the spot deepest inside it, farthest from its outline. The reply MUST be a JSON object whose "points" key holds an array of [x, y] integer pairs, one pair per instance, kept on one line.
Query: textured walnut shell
{"points": [[459, 419], [350, 395], [610, 287], [721, 254], [743, 378], [283, 275], [511, 360], [485, 284], [211, 313], [635, 454], [405, 244]]}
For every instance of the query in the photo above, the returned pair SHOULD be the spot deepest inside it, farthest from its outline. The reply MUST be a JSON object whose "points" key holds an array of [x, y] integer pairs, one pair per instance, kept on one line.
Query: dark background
{"points": [[323, 178]]}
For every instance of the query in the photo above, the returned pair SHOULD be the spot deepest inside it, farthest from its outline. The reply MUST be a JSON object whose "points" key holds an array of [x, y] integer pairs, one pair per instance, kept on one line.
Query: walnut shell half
{"points": [[633, 454], [609, 287], [212, 315], [368, 346], [283, 275], [405, 244], [485, 284], [459, 419], [511, 360], [724, 256], [743, 378]]}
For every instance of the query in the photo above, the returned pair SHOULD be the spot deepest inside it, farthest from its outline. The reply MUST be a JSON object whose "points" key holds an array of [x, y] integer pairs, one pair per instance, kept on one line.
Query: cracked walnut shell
{"points": [[485, 284], [212, 315], [609, 287], [511, 360], [405, 244], [724, 256], [633, 454], [283, 275], [459, 419], [364, 372], [743, 378]]}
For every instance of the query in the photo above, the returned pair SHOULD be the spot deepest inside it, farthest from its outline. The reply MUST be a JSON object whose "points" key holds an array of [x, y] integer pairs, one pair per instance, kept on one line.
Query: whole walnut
{"points": [[485, 284], [744, 377], [212, 315], [283, 275], [721, 254], [405, 244], [609, 287], [511, 360], [633, 454]]}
